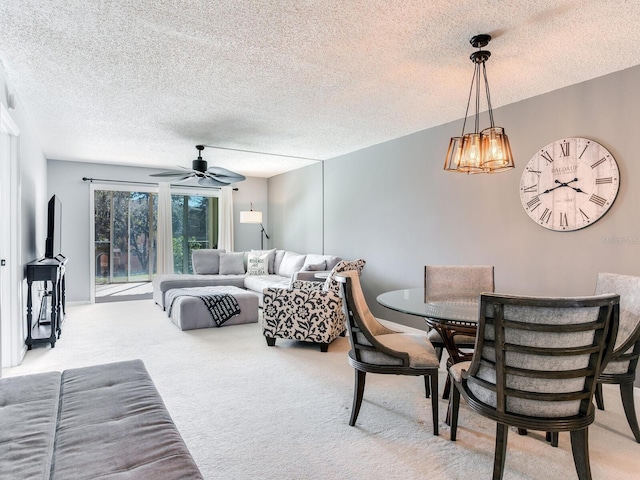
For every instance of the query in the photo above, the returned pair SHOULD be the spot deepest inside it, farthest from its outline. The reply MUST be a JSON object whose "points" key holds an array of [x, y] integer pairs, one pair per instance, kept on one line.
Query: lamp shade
{"points": [[251, 216]]}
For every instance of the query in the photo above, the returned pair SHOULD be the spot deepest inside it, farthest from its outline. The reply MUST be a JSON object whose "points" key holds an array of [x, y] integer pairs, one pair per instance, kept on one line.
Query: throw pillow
{"points": [[314, 267], [270, 259], [206, 261], [291, 263], [258, 264], [232, 263]]}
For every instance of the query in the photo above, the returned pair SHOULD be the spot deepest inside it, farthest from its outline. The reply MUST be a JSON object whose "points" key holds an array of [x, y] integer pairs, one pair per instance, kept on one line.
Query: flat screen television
{"points": [[53, 246]]}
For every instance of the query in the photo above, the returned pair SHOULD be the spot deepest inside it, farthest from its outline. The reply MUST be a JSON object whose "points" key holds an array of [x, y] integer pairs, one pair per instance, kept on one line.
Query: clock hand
{"points": [[562, 184]]}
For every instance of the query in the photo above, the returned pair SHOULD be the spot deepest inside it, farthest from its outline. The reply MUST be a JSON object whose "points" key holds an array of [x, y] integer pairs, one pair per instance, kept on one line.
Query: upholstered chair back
{"points": [[628, 339], [457, 281], [331, 285], [363, 327], [540, 357]]}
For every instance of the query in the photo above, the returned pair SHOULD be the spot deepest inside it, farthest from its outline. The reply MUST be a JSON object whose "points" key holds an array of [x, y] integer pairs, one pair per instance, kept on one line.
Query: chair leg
{"points": [[270, 341], [358, 393], [502, 432], [427, 387], [324, 347], [447, 388], [599, 397], [454, 406], [439, 353], [626, 392], [434, 401], [580, 449]]}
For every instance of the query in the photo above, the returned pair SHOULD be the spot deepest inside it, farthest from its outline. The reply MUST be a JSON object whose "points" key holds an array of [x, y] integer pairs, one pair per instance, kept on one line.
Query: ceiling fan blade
{"points": [[211, 182], [169, 173], [225, 175]]}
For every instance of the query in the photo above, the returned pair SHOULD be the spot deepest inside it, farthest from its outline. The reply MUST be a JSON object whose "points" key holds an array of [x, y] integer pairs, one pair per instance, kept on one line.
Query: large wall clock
{"points": [[569, 184]]}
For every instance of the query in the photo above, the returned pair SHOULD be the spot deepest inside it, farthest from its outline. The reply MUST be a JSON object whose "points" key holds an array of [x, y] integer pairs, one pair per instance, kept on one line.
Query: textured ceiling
{"points": [[141, 82]]}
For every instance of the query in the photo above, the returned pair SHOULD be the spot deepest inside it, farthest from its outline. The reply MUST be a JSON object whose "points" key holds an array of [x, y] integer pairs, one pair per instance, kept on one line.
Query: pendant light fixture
{"points": [[485, 151]]}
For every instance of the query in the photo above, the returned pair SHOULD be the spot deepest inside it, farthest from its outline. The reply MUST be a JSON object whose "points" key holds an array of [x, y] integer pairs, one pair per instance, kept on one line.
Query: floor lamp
{"points": [[254, 217]]}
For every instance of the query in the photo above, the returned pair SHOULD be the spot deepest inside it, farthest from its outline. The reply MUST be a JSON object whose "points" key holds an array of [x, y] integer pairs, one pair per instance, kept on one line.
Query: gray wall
{"points": [[295, 210], [393, 205], [65, 180]]}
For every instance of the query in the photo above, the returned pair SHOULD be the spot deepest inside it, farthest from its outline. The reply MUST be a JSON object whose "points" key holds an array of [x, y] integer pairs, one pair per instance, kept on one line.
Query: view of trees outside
{"points": [[125, 233]]}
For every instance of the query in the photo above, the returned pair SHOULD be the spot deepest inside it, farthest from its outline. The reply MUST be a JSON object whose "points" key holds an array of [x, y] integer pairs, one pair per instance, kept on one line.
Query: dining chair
{"points": [[378, 349], [535, 367], [450, 282], [621, 369]]}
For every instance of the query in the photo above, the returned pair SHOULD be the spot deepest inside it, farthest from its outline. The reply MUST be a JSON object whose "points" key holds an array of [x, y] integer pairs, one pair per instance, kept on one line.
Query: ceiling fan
{"points": [[207, 177]]}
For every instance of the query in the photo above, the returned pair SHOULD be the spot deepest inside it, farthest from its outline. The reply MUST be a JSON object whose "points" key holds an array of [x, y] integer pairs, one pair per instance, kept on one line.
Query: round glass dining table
{"points": [[451, 316]]}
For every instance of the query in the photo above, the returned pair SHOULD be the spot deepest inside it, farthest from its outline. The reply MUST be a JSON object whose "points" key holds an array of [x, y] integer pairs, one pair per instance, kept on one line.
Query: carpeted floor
{"points": [[248, 411]]}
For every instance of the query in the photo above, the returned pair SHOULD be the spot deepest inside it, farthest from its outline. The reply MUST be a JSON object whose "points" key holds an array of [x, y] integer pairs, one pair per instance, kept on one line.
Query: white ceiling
{"points": [[141, 82]]}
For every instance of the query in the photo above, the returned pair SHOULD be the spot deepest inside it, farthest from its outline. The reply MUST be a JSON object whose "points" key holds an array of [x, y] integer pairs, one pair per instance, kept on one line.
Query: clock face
{"points": [[569, 184]]}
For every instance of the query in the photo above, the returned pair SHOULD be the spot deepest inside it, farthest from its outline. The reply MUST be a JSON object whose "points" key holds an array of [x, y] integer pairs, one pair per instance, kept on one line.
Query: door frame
{"points": [[12, 316]]}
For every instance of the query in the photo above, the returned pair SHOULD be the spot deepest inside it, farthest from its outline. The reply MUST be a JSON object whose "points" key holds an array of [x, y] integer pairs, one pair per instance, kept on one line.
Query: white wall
{"points": [[65, 180], [33, 190]]}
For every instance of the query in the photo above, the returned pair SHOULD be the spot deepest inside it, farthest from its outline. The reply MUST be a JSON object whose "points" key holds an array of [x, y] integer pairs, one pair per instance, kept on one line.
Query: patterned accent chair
{"points": [[535, 367], [378, 349], [309, 311]]}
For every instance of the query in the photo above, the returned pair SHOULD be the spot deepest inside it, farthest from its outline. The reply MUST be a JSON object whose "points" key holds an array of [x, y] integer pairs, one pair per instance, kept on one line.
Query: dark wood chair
{"points": [[535, 367], [378, 349], [621, 369]]}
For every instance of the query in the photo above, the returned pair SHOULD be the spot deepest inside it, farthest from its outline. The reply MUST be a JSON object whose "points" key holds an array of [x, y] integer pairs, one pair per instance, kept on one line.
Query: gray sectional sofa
{"points": [[104, 421], [216, 267]]}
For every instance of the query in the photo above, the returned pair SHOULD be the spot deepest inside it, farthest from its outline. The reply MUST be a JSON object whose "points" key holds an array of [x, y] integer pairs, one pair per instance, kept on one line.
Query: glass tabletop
{"points": [[412, 302]]}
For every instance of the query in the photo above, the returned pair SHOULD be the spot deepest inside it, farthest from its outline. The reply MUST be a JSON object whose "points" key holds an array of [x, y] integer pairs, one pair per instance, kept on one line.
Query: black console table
{"points": [[51, 272]]}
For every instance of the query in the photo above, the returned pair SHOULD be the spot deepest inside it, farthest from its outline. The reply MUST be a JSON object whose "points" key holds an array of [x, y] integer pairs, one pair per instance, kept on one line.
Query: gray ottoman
{"points": [[189, 313]]}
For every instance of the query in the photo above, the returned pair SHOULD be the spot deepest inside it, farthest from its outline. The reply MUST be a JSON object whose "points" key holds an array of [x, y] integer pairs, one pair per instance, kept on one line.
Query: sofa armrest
{"points": [[308, 275]]}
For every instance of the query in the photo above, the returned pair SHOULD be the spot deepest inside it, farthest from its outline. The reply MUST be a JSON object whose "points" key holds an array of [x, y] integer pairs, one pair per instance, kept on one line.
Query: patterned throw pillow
{"points": [[258, 264]]}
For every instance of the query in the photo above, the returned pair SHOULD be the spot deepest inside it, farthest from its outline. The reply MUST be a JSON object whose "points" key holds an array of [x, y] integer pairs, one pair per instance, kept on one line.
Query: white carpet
{"points": [[246, 410]]}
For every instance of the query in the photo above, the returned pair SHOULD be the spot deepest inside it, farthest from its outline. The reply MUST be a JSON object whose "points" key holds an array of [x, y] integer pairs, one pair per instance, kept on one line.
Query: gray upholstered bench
{"points": [[105, 421], [189, 313]]}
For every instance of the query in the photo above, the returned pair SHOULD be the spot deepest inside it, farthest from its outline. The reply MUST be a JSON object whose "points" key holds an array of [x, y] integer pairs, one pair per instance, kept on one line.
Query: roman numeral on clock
{"points": [[544, 154], [534, 203], [585, 217], [531, 189], [564, 221], [598, 200], [603, 180], [584, 150], [546, 215], [594, 165], [565, 147]]}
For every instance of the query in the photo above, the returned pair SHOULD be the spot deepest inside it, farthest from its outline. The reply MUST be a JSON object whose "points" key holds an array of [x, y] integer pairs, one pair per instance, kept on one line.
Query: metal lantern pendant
{"points": [[485, 151]]}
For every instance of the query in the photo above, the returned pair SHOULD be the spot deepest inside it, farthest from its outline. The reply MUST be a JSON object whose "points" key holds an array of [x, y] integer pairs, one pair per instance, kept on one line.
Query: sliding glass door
{"points": [[125, 229], [125, 225], [195, 226]]}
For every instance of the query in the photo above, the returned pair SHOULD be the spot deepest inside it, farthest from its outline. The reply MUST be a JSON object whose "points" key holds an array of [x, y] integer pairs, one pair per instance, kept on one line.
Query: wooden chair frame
{"points": [[599, 351]]}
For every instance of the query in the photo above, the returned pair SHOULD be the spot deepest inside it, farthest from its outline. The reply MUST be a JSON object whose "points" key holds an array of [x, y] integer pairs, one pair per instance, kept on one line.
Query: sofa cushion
{"points": [[291, 263], [315, 262], [257, 283], [258, 264], [271, 259], [28, 415], [113, 424], [232, 263], [277, 261], [206, 261]]}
